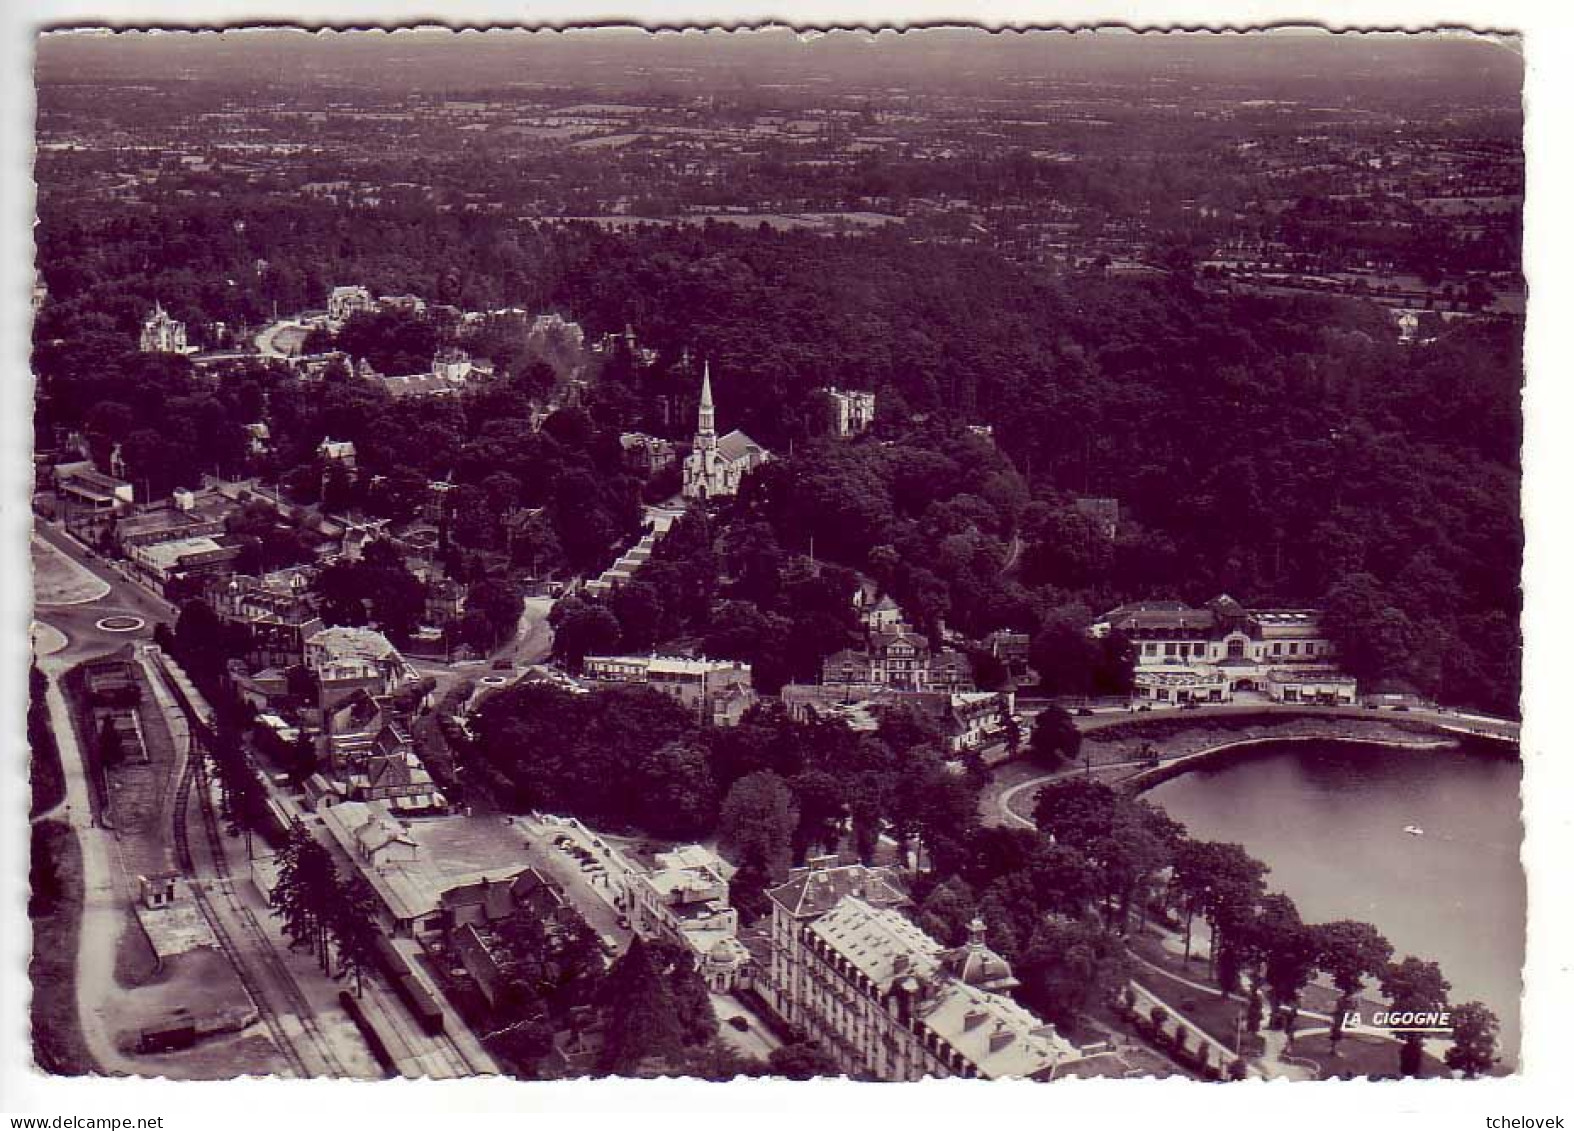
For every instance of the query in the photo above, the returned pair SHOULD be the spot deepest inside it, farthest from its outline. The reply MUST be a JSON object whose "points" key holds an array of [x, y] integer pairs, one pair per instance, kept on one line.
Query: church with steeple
{"points": [[716, 465]]}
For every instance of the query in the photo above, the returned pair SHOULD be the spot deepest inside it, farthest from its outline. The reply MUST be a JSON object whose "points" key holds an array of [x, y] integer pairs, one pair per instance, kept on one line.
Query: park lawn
{"points": [[1360, 1055], [1315, 997], [56, 913], [1216, 1016]]}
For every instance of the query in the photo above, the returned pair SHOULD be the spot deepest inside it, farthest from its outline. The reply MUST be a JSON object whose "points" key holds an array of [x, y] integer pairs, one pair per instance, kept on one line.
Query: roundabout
{"points": [[120, 624]]}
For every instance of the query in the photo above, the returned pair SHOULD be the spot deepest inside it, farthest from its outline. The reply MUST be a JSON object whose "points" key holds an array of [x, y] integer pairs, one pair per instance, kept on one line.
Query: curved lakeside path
{"points": [[1005, 807]]}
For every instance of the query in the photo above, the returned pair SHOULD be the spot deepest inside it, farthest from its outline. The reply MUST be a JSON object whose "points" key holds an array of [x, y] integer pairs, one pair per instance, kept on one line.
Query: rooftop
{"points": [[667, 665], [451, 852], [166, 555], [736, 445], [346, 643], [881, 943], [816, 889], [992, 1032]]}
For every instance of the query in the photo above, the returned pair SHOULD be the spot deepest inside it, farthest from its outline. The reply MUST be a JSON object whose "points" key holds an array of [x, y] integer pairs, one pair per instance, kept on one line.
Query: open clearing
{"points": [[57, 580]]}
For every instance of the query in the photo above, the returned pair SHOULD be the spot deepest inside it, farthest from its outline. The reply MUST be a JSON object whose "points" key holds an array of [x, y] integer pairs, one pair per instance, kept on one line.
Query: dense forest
{"points": [[1283, 450]]}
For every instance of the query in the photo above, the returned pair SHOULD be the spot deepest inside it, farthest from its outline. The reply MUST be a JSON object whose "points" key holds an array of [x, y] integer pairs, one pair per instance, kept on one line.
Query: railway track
{"points": [[263, 946], [227, 945], [424, 1052], [438, 1051]]}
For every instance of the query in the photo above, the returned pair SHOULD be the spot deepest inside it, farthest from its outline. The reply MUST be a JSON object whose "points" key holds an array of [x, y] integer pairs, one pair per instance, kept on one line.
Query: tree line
{"points": [[1284, 450], [1062, 901]]}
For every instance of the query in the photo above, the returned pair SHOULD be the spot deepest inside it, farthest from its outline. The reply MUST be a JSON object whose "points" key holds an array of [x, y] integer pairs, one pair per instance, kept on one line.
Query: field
{"points": [[781, 222]]}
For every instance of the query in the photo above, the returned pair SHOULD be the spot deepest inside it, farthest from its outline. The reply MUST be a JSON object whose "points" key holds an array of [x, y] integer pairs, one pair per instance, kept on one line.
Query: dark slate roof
{"points": [[736, 445], [812, 892]]}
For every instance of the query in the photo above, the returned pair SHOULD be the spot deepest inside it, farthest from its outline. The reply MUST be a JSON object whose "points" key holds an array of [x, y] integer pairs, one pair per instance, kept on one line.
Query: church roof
{"points": [[736, 445]]}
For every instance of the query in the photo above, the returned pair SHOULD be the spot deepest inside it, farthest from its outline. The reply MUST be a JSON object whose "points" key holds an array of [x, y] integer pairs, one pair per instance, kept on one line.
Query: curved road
{"points": [[103, 903]]}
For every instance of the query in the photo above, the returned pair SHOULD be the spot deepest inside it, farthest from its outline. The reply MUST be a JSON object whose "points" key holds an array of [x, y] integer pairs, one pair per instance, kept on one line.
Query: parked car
{"points": [[739, 1023]]}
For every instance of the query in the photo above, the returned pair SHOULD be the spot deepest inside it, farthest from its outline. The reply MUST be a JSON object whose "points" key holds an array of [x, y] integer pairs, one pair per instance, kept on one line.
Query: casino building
{"points": [[1208, 655]]}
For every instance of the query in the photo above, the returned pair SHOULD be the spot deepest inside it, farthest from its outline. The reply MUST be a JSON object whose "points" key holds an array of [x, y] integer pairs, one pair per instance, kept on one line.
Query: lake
{"points": [[1328, 818]]}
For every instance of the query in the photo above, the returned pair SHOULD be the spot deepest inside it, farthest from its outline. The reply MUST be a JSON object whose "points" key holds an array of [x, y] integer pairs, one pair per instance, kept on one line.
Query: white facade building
{"points": [[163, 334], [1207, 655], [346, 301], [335, 650], [706, 687], [685, 899], [854, 410]]}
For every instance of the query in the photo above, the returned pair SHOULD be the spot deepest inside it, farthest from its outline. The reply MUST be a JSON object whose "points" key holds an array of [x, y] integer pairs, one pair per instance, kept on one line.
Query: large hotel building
{"points": [[884, 999]]}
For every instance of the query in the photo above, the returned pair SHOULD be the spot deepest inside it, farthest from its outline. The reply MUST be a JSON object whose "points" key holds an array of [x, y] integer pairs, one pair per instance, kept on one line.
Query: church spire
{"points": [[707, 406]]}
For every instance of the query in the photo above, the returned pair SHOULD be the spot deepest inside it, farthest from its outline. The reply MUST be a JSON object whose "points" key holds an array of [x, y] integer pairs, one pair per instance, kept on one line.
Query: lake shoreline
{"points": [[1330, 820], [1145, 779]]}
